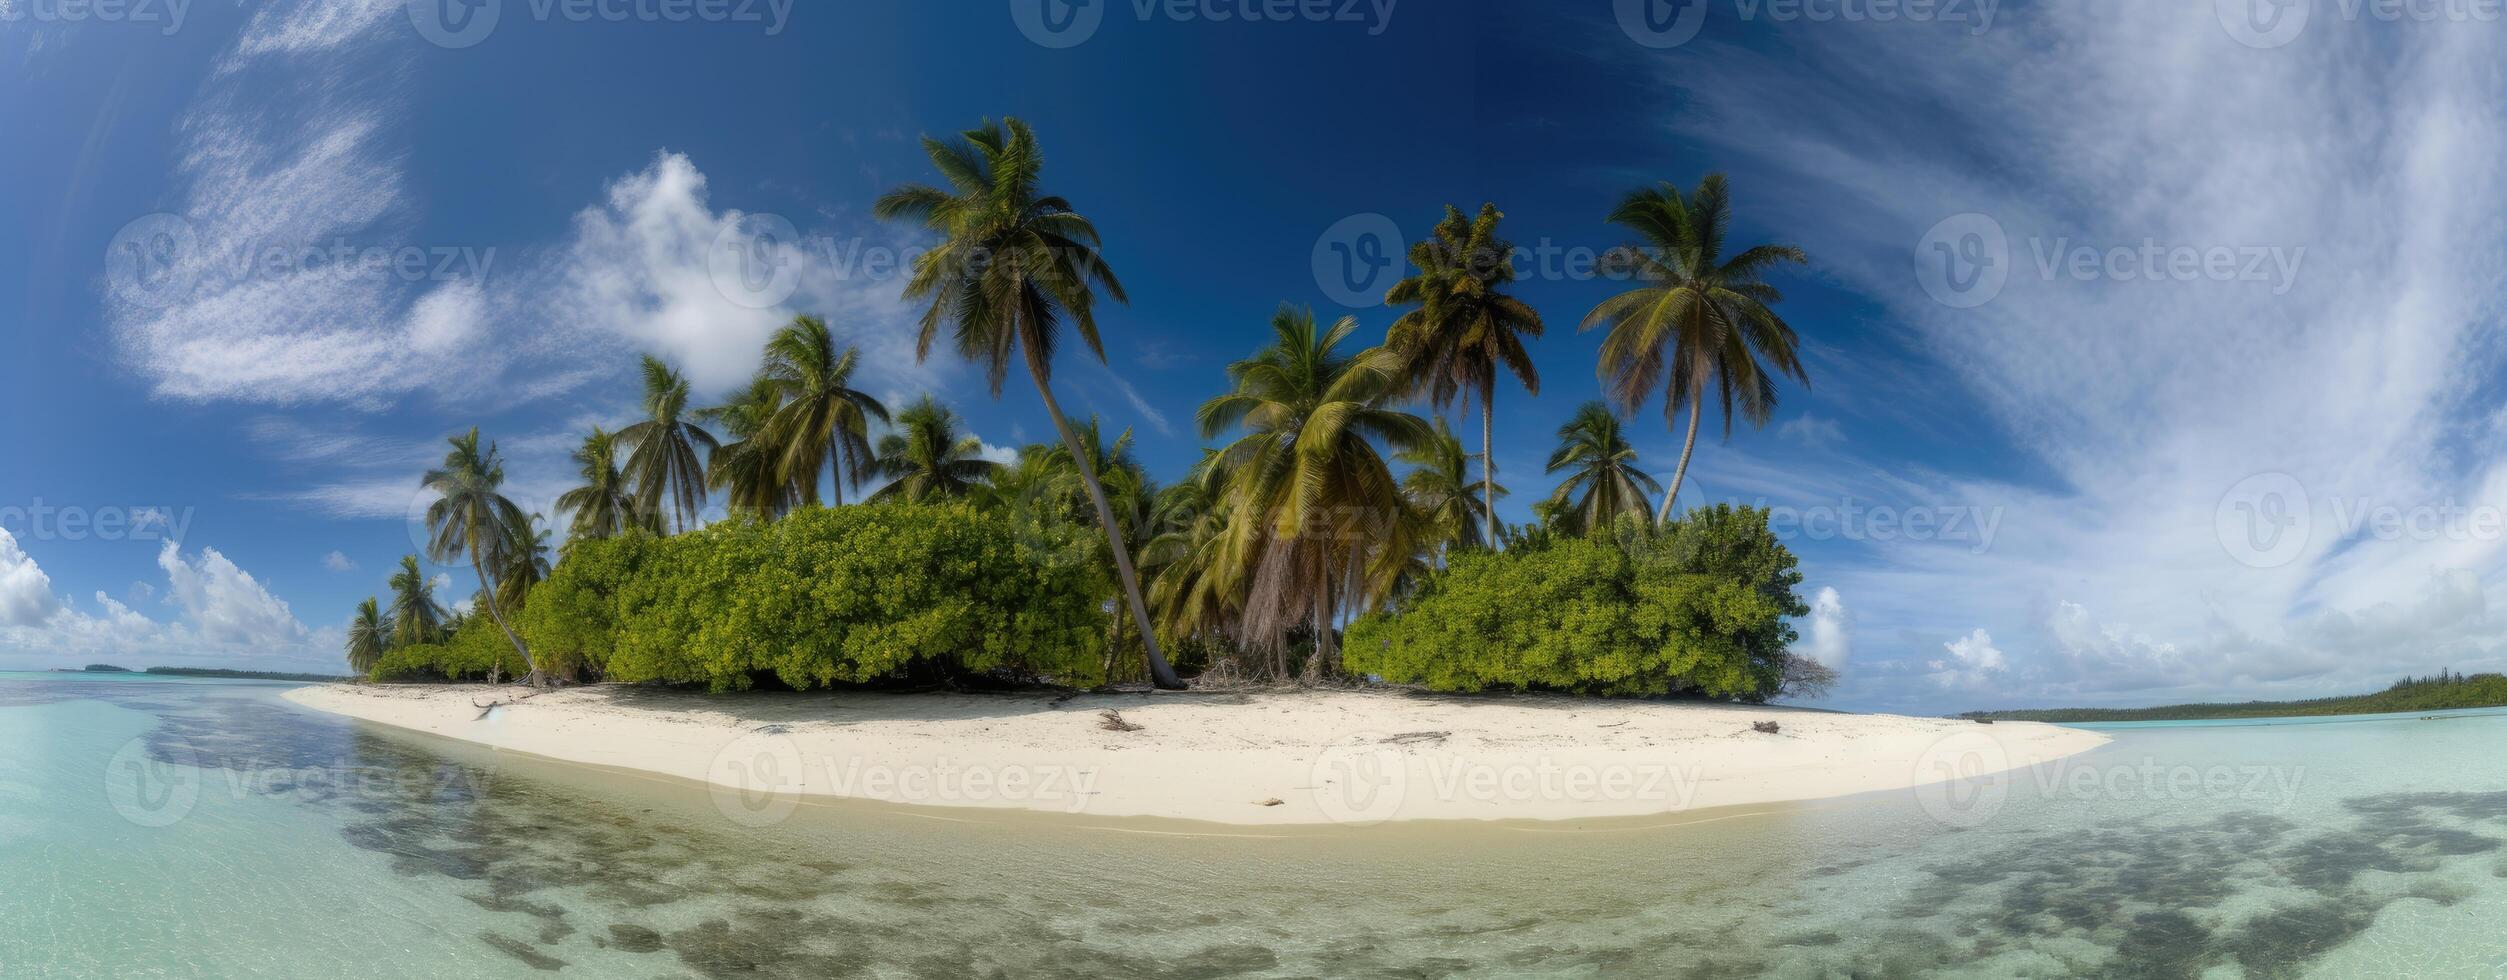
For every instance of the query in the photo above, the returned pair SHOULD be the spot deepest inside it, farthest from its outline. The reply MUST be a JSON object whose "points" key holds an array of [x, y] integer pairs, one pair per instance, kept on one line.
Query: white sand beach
{"points": [[1318, 757]]}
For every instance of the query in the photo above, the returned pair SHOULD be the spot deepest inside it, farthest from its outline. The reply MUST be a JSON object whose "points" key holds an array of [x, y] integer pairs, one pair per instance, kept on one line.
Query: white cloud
{"points": [[1812, 431], [225, 604], [26, 597], [1829, 635], [338, 562], [2108, 572], [1973, 661]]}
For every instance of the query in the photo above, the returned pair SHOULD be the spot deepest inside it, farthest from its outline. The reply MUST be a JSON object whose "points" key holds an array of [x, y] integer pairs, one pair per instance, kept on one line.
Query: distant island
{"points": [[246, 675], [103, 669], [2441, 692]]}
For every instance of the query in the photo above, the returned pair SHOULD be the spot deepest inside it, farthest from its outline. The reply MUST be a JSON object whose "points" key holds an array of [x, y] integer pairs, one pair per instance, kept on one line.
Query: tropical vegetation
{"points": [[1335, 528]]}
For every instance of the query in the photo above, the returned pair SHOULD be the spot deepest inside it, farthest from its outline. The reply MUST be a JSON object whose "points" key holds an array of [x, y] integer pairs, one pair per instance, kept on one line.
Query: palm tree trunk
{"points": [[1697, 407], [487, 593], [1488, 457], [1159, 673]]}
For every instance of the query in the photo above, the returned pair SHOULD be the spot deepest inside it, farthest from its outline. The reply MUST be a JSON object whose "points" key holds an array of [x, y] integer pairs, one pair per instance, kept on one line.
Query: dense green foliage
{"points": [[827, 596], [2415, 694], [1697, 607], [472, 653]]}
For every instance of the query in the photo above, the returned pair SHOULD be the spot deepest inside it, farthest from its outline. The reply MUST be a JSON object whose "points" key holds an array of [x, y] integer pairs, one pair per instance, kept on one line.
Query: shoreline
{"points": [[1263, 759]]}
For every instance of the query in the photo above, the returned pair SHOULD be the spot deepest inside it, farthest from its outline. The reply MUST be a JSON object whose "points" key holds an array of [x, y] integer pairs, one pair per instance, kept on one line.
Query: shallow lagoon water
{"points": [[154, 828]]}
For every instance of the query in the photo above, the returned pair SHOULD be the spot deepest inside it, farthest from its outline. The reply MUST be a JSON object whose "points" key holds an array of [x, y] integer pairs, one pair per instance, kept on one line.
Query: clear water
{"points": [[307, 846]]}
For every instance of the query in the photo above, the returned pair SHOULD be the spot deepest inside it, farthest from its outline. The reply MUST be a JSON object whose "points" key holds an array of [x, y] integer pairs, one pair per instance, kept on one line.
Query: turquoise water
{"points": [[208, 829]]}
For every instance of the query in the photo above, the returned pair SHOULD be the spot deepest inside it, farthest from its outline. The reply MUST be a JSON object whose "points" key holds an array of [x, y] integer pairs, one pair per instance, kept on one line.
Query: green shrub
{"points": [[1698, 607], [468, 655], [827, 596]]}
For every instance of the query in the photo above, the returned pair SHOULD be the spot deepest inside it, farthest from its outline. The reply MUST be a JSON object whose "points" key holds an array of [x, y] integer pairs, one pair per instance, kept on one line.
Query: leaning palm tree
{"points": [[929, 455], [1440, 488], [749, 468], [472, 517], [662, 460], [415, 616], [1695, 321], [1603, 479], [1466, 330], [526, 565], [369, 636], [1013, 265], [604, 505], [824, 423], [1314, 498]]}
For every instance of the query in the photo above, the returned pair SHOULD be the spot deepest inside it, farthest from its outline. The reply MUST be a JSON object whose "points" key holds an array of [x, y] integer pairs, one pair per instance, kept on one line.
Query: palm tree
{"points": [[1313, 497], [369, 635], [416, 617], [604, 506], [748, 469], [662, 458], [1012, 266], [526, 566], [472, 517], [1466, 328], [1440, 488], [929, 455], [1708, 317], [1603, 479], [824, 423]]}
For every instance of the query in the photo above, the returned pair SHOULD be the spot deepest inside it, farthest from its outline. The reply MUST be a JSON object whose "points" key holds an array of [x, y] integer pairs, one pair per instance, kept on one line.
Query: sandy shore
{"points": [[1294, 758]]}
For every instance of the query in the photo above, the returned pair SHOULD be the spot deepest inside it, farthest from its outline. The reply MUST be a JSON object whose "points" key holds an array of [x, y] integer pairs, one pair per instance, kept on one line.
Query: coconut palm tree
{"points": [[1012, 268], [824, 423], [749, 468], [1603, 479], [1440, 488], [1314, 498], [526, 565], [604, 505], [415, 616], [929, 455], [662, 460], [1695, 322], [369, 635], [1466, 330], [471, 517]]}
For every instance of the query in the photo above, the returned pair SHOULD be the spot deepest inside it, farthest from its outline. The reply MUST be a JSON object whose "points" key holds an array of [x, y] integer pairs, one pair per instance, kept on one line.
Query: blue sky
{"points": [[2026, 491]]}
